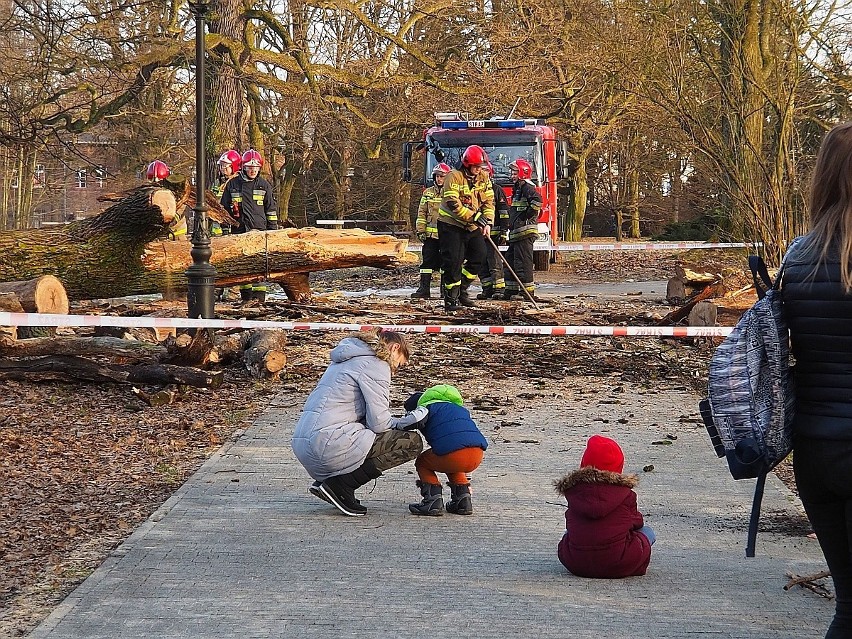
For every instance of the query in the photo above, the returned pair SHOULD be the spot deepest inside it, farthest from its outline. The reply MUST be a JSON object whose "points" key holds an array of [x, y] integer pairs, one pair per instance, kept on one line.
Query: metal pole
{"points": [[201, 275], [509, 266]]}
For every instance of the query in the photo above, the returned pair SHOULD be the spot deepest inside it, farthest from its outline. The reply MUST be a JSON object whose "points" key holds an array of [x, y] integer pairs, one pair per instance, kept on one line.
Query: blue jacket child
{"points": [[456, 448]]}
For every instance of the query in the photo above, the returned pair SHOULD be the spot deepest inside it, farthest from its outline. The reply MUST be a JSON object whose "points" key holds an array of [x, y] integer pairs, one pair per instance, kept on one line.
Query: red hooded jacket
{"points": [[602, 523]]}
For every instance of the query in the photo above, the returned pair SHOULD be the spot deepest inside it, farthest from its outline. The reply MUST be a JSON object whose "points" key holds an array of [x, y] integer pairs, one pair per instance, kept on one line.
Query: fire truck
{"points": [[504, 140]]}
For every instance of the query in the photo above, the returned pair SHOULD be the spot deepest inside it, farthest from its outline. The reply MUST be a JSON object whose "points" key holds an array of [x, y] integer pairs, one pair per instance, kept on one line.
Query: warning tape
{"points": [[43, 319], [625, 246]]}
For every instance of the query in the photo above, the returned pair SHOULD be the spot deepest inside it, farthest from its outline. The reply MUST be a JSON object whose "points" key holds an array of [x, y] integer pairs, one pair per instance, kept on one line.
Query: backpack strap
{"points": [[759, 270], [751, 540]]}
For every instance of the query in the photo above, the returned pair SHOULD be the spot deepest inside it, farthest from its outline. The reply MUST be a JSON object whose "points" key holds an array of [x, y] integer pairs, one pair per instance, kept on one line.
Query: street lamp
{"points": [[201, 275]]}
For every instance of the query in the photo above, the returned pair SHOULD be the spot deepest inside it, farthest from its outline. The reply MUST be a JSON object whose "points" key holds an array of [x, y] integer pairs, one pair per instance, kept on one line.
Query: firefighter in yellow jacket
{"points": [[464, 219], [427, 231]]}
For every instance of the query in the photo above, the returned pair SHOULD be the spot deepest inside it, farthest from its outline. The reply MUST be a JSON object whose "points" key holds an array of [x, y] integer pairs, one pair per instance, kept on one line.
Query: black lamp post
{"points": [[201, 275]]}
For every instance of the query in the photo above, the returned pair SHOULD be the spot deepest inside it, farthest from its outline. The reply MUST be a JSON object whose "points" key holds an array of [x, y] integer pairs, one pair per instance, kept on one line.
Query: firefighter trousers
{"points": [[459, 247], [491, 273], [520, 256], [431, 257]]}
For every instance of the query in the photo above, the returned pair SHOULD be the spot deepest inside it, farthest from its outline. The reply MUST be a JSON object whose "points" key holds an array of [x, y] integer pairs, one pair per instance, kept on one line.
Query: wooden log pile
{"points": [[696, 292]]}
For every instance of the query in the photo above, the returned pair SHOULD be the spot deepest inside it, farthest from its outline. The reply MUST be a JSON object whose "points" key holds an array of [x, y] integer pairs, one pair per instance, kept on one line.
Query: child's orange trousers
{"points": [[456, 465]]}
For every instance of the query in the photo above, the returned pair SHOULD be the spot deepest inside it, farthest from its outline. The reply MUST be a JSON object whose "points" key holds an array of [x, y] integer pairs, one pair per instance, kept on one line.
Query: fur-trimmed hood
{"points": [[591, 475]]}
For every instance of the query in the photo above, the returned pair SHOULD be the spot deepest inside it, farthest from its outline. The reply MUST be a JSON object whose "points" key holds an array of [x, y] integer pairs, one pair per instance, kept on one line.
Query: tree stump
{"points": [[703, 314]]}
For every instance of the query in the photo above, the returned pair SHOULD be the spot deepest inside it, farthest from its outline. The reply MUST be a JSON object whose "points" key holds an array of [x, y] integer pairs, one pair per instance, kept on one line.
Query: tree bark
{"points": [[66, 368], [264, 356], [112, 347]]}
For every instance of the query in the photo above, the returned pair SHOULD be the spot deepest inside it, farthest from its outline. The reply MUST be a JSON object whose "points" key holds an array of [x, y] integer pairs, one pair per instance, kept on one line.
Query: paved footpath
{"points": [[243, 550]]}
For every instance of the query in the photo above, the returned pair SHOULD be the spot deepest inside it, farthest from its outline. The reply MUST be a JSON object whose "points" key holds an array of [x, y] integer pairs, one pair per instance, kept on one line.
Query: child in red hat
{"points": [[605, 534]]}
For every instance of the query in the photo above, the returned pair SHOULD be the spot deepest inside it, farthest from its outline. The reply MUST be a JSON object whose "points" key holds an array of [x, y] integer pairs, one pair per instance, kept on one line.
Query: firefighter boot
{"points": [[460, 504], [464, 296], [433, 501], [423, 292], [451, 299], [245, 293], [487, 293]]}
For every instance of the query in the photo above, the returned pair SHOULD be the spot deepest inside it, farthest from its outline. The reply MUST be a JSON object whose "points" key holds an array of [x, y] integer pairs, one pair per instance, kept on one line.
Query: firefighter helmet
{"points": [[523, 168], [232, 158], [158, 170], [252, 158], [442, 169], [474, 155]]}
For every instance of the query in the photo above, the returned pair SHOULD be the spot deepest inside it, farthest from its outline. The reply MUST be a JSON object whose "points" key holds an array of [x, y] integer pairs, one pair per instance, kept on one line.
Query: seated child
{"points": [[457, 448], [605, 534]]}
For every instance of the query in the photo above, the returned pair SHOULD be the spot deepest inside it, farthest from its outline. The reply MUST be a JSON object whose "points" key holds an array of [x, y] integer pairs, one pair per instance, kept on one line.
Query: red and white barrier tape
{"points": [[41, 319], [625, 246]]}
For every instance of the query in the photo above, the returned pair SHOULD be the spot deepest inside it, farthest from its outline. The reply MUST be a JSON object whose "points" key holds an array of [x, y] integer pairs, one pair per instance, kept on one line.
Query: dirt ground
{"points": [[81, 465]]}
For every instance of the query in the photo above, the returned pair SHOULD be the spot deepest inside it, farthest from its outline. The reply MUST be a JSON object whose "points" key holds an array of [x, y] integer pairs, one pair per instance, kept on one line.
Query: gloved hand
{"points": [[412, 420], [421, 235]]}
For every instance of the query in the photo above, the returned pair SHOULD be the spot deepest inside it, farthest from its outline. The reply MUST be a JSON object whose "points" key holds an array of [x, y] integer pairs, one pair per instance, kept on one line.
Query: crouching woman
{"points": [[346, 435]]}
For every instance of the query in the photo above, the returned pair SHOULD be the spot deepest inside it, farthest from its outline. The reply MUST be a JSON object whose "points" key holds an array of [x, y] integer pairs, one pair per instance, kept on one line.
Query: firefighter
{"points": [[464, 219], [156, 173], [249, 199], [427, 231], [523, 228], [491, 273], [228, 165]]}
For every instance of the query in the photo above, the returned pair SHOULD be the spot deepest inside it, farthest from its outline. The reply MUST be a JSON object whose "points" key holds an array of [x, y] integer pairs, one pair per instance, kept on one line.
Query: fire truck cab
{"points": [[504, 140]]}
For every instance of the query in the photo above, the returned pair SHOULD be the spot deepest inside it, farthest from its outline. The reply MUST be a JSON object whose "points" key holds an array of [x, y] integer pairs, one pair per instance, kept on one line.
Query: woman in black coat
{"points": [[817, 291]]}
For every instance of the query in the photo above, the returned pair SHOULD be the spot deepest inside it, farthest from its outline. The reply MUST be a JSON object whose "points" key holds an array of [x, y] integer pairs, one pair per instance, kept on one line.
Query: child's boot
{"points": [[433, 500], [460, 504]]}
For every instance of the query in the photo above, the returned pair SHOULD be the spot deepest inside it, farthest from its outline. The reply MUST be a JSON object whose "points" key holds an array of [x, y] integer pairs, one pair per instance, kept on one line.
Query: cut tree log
{"points": [[111, 347], [43, 294], [190, 350], [117, 252], [691, 276], [264, 356], [65, 368]]}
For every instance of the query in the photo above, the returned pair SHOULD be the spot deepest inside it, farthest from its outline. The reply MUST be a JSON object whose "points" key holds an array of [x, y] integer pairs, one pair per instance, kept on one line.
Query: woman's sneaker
{"points": [[314, 489], [342, 497]]}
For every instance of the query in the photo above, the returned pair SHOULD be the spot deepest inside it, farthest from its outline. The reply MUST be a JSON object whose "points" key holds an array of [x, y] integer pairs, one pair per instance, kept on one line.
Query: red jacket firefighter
{"points": [[249, 197]]}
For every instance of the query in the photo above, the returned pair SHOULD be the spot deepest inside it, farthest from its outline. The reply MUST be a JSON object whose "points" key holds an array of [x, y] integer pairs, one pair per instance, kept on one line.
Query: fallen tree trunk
{"points": [[116, 253], [65, 368], [112, 347]]}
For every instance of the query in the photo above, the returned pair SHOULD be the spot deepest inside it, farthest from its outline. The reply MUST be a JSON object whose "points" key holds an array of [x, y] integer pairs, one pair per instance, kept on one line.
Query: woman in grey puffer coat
{"points": [[817, 291], [346, 435]]}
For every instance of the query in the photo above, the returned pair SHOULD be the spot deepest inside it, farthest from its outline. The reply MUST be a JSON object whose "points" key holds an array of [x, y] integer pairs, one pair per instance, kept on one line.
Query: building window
{"points": [[81, 178], [38, 177], [100, 176], [13, 183]]}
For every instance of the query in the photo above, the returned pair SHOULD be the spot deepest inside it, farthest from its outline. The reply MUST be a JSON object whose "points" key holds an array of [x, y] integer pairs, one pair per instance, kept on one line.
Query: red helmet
{"points": [[233, 158], [443, 169], [474, 155], [523, 168], [158, 170], [252, 158]]}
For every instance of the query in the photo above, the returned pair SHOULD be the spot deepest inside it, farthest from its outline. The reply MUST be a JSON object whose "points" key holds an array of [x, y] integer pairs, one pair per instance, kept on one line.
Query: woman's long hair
{"points": [[380, 341], [831, 200]]}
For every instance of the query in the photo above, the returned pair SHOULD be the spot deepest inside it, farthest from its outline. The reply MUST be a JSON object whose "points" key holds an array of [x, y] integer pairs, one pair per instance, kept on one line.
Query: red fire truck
{"points": [[504, 140]]}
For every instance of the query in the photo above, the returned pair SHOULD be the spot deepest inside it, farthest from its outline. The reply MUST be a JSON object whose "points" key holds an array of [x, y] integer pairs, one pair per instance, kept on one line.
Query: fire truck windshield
{"points": [[500, 155]]}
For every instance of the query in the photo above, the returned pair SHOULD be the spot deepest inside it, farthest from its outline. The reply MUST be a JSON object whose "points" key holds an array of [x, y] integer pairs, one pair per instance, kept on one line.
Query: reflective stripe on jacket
{"points": [[465, 200]]}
